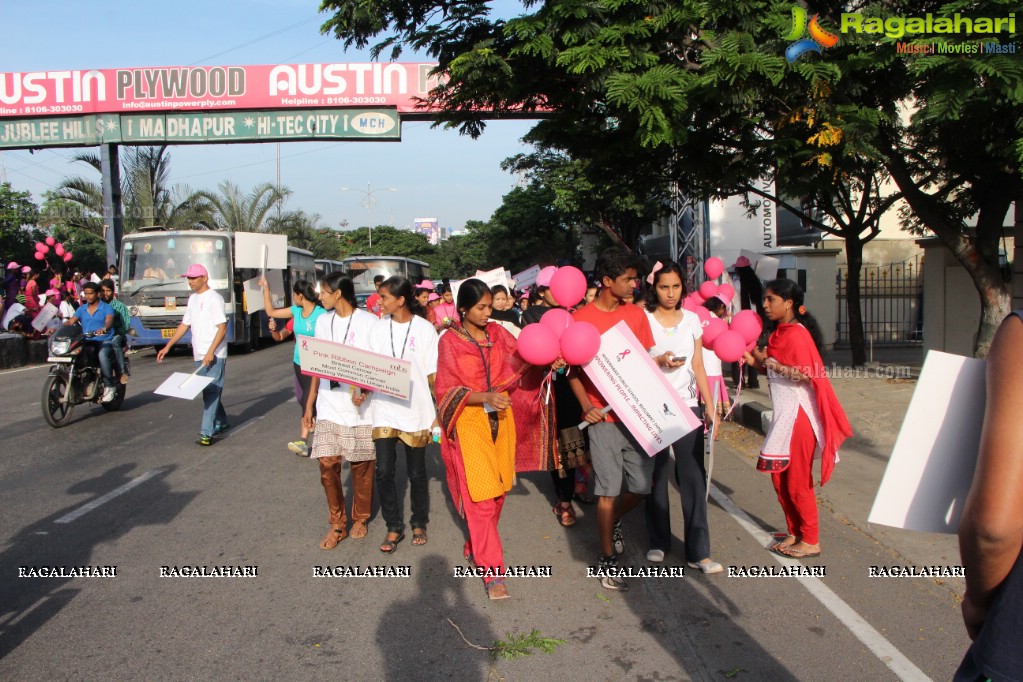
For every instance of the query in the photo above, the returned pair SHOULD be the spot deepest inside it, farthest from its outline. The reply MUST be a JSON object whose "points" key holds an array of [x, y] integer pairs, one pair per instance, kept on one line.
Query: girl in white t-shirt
{"points": [[403, 332], [343, 430], [677, 332], [712, 364]]}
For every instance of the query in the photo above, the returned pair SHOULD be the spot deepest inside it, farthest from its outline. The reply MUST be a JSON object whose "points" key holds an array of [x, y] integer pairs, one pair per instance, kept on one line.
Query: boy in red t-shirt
{"points": [[614, 453]]}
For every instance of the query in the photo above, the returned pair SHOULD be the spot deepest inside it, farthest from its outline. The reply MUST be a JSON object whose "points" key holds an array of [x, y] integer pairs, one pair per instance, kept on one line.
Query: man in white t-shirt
{"points": [[206, 317]]}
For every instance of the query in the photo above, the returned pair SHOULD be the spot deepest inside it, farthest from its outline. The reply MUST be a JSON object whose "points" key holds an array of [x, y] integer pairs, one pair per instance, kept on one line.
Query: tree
{"points": [[18, 215], [230, 209]]}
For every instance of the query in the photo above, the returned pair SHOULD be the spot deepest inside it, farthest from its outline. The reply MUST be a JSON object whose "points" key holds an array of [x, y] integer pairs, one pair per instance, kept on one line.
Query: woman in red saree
{"points": [[483, 415], [808, 422]]}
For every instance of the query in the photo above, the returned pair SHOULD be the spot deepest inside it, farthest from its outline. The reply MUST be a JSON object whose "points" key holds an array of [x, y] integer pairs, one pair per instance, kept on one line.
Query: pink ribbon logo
{"points": [[621, 356]]}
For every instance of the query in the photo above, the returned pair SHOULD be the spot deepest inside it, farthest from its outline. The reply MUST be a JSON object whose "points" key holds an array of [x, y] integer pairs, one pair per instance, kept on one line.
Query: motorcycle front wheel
{"points": [[56, 412]]}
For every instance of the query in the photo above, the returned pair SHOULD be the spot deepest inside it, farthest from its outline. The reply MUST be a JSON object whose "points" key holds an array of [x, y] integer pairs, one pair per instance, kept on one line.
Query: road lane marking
{"points": [[896, 661], [86, 508], [23, 369]]}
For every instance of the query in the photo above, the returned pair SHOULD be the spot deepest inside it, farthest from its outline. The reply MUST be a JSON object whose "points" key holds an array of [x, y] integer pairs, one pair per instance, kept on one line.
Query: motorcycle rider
{"points": [[122, 323], [98, 317]]}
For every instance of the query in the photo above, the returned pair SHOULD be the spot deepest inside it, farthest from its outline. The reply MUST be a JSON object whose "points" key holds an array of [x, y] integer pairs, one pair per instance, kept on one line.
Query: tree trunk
{"points": [[854, 256]]}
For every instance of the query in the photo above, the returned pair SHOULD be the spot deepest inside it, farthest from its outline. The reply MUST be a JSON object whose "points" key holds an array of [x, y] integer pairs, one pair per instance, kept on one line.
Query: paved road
{"points": [[248, 502]]}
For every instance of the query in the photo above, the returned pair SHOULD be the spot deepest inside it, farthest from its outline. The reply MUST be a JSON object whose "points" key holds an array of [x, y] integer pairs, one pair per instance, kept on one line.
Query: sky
{"points": [[436, 173]]}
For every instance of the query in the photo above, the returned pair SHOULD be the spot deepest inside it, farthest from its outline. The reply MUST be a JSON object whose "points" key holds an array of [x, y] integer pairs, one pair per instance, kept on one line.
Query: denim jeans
{"points": [[415, 463], [106, 362], [115, 348], [213, 415]]}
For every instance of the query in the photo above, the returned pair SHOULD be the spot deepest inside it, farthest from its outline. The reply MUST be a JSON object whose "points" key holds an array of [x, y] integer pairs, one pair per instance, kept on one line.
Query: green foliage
{"points": [[231, 209], [520, 646], [18, 215]]}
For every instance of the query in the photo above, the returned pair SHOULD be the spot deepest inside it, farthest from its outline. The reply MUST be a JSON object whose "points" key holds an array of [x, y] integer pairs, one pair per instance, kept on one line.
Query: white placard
{"points": [[254, 293], [46, 313], [527, 277], [492, 278], [638, 391], [249, 250], [351, 365], [931, 468], [186, 386], [766, 267]]}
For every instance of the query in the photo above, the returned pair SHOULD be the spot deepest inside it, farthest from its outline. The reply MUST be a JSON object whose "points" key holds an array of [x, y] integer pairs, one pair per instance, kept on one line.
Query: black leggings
{"points": [[304, 383]]}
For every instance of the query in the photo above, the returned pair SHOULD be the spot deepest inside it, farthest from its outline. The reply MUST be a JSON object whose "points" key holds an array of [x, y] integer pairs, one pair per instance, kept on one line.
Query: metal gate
{"points": [[891, 301]]}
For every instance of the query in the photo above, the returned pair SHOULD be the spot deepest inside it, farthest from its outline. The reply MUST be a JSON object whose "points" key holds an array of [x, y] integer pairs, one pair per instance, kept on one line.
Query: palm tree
{"points": [[230, 209], [301, 228]]}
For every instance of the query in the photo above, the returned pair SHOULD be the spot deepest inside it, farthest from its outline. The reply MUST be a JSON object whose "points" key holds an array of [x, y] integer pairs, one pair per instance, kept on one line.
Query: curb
{"points": [[755, 415]]}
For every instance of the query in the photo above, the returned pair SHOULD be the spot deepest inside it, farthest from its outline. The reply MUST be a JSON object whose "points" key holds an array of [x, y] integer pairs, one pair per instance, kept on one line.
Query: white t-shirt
{"points": [[681, 341], [415, 341], [67, 311], [711, 362], [205, 311], [13, 311], [336, 405]]}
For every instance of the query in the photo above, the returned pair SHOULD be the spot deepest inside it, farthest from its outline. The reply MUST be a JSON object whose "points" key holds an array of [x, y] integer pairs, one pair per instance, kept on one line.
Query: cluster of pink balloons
{"points": [[43, 248], [730, 342], [557, 334]]}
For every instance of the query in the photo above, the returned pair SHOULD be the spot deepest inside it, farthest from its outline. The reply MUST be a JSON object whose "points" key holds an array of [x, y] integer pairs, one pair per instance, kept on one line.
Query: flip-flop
{"points": [[389, 546], [797, 553]]}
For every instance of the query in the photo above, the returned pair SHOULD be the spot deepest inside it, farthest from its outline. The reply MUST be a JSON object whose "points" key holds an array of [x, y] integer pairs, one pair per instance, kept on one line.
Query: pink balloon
{"points": [[708, 289], [579, 343], [39, 255], [751, 345], [703, 314], [557, 320], [59, 250], [67, 256], [568, 286], [697, 297], [713, 267], [538, 345], [689, 303], [50, 241], [715, 328], [40, 247], [746, 326], [726, 292], [729, 346]]}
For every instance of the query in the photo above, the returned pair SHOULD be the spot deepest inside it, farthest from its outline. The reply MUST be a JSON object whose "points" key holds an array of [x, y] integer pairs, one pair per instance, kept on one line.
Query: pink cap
{"points": [[544, 278], [525, 294], [25, 270], [433, 297], [196, 270], [52, 292], [741, 262], [425, 284], [12, 265]]}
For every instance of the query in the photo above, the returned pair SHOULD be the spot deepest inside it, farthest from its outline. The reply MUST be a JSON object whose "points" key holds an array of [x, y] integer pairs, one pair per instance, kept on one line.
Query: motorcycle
{"points": [[75, 376]]}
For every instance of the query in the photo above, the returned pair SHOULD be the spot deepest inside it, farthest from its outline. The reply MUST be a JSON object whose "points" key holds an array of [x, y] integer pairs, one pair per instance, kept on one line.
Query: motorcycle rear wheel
{"points": [[56, 412]]}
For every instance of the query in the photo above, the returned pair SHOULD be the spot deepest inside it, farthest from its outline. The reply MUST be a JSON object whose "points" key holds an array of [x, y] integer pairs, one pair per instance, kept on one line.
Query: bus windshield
{"points": [[162, 259]]}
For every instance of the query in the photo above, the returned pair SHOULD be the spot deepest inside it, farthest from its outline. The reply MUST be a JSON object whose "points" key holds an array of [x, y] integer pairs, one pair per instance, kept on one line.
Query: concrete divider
{"points": [[13, 350]]}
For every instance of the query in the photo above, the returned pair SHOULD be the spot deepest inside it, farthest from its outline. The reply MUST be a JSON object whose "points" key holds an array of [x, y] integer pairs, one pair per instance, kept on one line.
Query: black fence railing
{"points": [[891, 303]]}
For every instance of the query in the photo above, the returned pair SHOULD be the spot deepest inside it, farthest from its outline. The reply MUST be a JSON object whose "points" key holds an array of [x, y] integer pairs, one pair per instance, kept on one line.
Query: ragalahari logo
{"points": [[818, 41]]}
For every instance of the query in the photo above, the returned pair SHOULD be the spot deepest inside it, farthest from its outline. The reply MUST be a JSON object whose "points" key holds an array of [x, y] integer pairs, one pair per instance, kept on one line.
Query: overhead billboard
{"points": [[202, 127], [195, 88], [429, 227]]}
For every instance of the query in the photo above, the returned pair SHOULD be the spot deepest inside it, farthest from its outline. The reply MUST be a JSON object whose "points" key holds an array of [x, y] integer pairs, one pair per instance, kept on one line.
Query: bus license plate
{"points": [[167, 333]]}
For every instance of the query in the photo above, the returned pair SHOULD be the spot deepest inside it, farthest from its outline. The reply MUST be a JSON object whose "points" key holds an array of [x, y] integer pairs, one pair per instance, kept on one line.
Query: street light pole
{"points": [[369, 202]]}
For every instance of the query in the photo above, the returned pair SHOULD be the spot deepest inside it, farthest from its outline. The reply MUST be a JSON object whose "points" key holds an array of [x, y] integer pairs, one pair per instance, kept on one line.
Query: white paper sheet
{"points": [[181, 385], [931, 468], [254, 293], [249, 252]]}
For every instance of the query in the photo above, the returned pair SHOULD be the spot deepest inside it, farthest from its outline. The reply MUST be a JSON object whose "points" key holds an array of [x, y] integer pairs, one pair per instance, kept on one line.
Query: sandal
{"points": [[566, 515], [359, 530], [334, 536], [389, 546], [781, 540], [419, 537], [791, 553], [496, 589]]}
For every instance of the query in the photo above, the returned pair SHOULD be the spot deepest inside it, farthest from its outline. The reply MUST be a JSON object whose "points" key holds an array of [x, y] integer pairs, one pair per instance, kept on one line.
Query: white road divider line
{"points": [[99, 501], [23, 369], [860, 628]]}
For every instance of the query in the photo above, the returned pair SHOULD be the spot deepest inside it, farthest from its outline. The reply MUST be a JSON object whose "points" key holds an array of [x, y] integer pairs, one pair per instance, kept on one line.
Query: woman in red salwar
{"points": [[477, 373], [807, 422]]}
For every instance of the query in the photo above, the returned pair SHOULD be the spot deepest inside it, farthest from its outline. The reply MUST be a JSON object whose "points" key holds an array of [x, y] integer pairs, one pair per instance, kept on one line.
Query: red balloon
{"points": [[579, 343], [729, 346], [708, 289], [568, 286], [50, 241], [713, 267], [39, 255], [67, 256], [726, 291], [538, 345], [715, 328], [557, 320]]}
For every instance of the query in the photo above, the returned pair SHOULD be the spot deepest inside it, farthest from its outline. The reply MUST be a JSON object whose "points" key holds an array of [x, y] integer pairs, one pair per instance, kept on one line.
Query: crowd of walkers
{"points": [[495, 415]]}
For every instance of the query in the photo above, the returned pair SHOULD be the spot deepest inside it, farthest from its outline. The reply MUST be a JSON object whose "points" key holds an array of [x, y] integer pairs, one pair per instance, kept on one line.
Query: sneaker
{"points": [[109, 393], [299, 447], [611, 582], [655, 555], [204, 440], [617, 539], [217, 430], [707, 566]]}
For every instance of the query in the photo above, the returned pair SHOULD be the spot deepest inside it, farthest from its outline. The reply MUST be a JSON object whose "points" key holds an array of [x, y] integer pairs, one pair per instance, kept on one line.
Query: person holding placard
{"points": [[476, 369], [304, 314], [404, 333], [991, 528], [808, 421], [677, 333], [206, 316], [343, 431]]}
